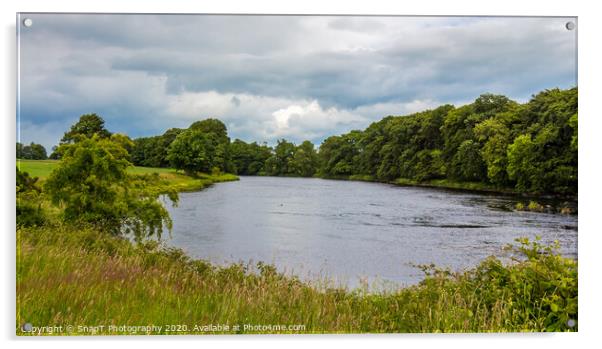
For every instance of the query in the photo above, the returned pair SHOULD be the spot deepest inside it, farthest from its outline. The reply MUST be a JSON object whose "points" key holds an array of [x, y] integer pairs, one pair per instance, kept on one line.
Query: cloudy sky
{"points": [[270, 77]]}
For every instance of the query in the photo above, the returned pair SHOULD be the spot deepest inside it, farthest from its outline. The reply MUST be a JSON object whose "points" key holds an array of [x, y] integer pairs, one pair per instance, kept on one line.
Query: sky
{"points": [[272, 77]]}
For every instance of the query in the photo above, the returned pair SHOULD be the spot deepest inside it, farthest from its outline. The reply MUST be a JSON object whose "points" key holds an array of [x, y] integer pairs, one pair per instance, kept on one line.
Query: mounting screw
{"points": [[570, 25]]}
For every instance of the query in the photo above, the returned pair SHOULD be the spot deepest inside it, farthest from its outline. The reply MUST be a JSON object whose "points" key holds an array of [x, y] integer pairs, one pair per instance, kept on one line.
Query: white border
{"points": [[590, 240]]}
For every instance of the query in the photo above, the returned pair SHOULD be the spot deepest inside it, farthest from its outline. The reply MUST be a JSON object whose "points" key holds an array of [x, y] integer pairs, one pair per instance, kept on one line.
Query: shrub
{"points": [[29, 206]]}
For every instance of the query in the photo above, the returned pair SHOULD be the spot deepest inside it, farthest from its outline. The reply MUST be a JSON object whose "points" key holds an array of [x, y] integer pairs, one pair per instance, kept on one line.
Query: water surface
{"points": [[352, 231]]}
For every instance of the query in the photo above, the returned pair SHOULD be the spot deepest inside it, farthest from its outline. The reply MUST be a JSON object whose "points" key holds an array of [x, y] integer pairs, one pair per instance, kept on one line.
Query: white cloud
{"points": [[263, 118]]}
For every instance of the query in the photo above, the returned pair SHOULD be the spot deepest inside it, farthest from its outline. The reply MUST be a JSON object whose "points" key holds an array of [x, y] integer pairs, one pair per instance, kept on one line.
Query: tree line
{"points": [[33, 151], [529, 147]]}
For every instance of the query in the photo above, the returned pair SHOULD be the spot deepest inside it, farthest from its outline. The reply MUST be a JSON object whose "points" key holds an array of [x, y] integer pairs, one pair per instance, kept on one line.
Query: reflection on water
{"points": [[351, 230]]}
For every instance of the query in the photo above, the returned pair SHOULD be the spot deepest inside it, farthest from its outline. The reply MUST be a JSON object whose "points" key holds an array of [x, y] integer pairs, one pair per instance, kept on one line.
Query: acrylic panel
{"points": [[268, 174]]}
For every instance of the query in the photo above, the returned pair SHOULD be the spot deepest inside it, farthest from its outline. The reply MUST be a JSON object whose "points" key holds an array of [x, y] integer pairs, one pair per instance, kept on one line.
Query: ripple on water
{"points": [[345, 230]]}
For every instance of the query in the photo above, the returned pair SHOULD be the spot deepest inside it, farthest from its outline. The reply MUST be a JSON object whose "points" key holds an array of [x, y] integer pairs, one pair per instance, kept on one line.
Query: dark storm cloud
{"points": [[270, 77]]}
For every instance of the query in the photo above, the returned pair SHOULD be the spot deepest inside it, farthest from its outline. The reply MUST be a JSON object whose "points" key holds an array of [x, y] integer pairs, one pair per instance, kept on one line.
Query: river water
{"points": [[354, 232]]}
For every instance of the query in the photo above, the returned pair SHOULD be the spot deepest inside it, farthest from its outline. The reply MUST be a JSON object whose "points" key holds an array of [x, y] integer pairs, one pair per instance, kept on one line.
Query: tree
{"points": [[153, 151], [29, 207], [55, 155], [248, 158], [93, 186], [279, 163], [305, 160], [339, 155], [192, 151], [214, 126], [574, 125], [19, 150], [430, 165], [522, 164], [217, 134], [87, 126], [496, 137], [32, 151], [468, 163]]}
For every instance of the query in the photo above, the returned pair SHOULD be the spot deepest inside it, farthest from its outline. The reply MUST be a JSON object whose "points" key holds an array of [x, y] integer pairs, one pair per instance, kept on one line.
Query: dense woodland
{"points": [[530, 147]]}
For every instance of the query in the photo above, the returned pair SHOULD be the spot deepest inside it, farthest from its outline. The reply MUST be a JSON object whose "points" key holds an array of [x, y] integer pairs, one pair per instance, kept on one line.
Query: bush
{"points": [[94, 187], [29, 206]]}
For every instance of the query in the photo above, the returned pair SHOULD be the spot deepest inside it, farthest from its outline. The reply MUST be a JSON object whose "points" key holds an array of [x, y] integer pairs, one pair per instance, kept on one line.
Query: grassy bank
{"points": [[450, 184], [69, 276], [437, 183], [177, 180]]}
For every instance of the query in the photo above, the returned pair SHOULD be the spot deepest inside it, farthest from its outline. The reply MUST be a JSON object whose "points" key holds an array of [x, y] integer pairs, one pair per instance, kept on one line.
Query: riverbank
{"points": [[175, 180], [570, 202], [80, 279]]}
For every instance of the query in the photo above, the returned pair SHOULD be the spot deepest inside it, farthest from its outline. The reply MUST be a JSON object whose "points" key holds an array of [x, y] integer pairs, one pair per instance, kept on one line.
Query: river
{"points": [[354, 232]]}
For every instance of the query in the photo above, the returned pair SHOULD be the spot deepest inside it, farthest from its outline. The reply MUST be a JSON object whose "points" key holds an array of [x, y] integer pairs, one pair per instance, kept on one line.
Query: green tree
{"points": [[214, 126], [93, 186], [468, 163], [430, 165], [29, 207], [522, 164], [339, 155], [87, 126], [305, 160], [574, 125], [249, 158], [19, 150], [216, 134], [279, 163], [33, 151], [192, 151], [496, 137], [152, 151]]}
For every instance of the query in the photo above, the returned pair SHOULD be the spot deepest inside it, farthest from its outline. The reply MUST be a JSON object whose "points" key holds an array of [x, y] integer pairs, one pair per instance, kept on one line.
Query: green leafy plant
{"points": [[93, 187]]}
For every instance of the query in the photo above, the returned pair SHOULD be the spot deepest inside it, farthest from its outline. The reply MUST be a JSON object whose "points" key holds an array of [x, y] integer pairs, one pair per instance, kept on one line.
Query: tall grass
{"points": [[73, 276]]}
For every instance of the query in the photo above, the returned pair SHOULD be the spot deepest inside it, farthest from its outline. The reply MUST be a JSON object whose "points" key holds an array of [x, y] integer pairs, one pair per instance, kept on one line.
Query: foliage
{"points": [[339, 154], [249, 158], [33, 151], [290, 160], [305, 160], [93, 186], [153, 151], [200, 148], [468, 163], [493, 141], [191, 151], [279, 163], [529, 147], [522, 154], [87, 126], [29, 204]]}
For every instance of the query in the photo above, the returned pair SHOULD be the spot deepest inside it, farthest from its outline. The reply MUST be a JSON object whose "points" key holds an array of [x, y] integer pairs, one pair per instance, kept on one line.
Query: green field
{"points": [[37, 168], [42, 168], [178, 180]]}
